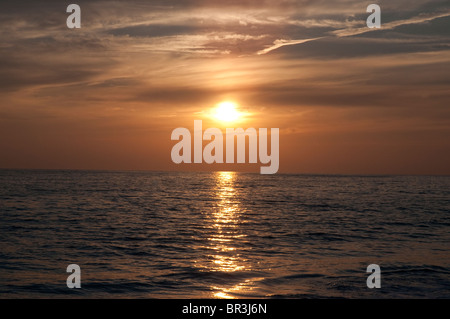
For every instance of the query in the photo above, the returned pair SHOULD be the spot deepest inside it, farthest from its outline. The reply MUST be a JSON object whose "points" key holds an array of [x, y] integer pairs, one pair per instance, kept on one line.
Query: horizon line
{"points": [[221, 171]]}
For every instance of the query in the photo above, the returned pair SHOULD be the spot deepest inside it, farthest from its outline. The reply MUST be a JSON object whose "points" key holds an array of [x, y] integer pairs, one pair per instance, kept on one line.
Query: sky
{"points": [[347, 99]]}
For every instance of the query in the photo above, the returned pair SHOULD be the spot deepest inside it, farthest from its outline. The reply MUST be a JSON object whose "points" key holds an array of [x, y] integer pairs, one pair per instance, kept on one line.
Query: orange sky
{"points": [[107, 96]]}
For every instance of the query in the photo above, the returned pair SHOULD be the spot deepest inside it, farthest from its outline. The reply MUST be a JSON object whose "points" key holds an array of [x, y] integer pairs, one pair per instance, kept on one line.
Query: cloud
{"points": [[281, 43], [153, 30], [422, 18], [349, 32]]}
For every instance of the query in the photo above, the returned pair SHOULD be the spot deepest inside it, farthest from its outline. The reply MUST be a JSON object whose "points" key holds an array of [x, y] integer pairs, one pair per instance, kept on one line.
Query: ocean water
{"points": [[222, 235]]}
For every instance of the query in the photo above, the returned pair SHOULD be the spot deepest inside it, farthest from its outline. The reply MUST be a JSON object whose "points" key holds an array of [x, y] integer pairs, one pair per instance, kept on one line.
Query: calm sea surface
{"points": [[222, 235]]}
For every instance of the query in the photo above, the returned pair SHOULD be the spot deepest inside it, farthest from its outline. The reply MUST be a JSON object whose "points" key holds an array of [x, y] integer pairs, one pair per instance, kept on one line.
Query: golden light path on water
{"points": [[226, 221]]}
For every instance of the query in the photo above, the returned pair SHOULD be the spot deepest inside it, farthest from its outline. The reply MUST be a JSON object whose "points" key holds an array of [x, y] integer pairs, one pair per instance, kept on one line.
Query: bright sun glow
{"points": [[226, 111]]}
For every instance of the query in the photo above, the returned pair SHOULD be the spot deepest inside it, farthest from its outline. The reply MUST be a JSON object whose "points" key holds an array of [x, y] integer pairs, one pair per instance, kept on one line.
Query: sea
{"points": [[224, 235]]}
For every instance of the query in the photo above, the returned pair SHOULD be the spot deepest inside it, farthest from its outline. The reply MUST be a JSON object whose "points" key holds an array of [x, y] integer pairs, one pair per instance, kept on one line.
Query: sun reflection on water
{"points": [[226, 238]]}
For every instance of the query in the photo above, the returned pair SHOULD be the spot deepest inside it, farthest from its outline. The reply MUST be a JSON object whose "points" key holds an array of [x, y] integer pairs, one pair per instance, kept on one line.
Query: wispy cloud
{"points": [[348, 32], [421, 18], [281, 43]]}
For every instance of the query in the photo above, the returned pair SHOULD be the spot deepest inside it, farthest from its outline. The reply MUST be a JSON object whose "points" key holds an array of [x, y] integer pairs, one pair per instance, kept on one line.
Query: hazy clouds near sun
{"points": [[109, 94]]}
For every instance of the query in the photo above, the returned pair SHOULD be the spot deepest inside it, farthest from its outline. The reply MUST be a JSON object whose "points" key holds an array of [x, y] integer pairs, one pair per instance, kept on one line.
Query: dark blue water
{"points": [[222, 235]]}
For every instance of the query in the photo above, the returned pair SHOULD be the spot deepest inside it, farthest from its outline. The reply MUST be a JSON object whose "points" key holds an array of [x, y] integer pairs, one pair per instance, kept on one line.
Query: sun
{"points": [[226, 112]]}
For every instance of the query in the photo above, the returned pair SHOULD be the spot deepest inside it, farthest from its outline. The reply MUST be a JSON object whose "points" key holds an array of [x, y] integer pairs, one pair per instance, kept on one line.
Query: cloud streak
{"points": [[348, 32], [281, 43], [422, 18]]}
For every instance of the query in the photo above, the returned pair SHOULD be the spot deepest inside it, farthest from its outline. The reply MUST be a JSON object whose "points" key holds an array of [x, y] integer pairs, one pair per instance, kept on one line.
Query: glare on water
{"points": [[225, 222]]}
